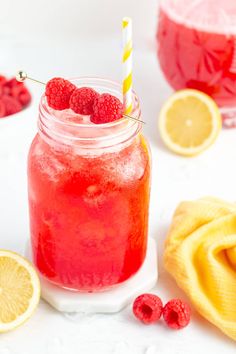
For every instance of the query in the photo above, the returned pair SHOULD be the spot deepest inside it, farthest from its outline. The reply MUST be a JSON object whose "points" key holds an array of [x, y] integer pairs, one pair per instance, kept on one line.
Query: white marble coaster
{"points": [[104, 302]]}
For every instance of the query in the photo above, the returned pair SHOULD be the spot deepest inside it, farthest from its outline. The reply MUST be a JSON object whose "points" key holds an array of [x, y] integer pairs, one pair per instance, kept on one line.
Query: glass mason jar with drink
{"points": [[89, 187], [197, 48]]}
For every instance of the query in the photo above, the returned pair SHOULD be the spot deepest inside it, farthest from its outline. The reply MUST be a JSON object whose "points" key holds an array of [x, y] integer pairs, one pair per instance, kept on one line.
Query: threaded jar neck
{"points": [[68, 128]]}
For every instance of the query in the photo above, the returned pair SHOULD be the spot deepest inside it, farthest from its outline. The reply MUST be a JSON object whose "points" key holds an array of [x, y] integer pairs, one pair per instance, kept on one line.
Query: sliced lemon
{"points": [[19, 290], [189, 122]]}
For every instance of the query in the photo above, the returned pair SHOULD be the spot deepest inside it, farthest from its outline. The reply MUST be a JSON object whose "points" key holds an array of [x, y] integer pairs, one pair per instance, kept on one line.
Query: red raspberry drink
{"points": [[197, 48], [89, 190]]}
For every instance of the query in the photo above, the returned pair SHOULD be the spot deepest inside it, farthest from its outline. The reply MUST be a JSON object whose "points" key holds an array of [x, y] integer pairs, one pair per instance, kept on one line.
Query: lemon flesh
{"points": [[189, 123], [19, 290]]}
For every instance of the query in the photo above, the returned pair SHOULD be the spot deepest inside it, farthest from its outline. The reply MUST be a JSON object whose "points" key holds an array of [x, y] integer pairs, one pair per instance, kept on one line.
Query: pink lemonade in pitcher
{"points": [[197, 47]]}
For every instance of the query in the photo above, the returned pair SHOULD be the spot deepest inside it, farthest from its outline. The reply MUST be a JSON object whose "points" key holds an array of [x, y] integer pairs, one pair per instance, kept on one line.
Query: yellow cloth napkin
{"points": [[200, 253]]}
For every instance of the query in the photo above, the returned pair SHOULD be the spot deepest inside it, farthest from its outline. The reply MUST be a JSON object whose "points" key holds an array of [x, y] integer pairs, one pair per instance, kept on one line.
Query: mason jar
{"points": [[89, 187]]}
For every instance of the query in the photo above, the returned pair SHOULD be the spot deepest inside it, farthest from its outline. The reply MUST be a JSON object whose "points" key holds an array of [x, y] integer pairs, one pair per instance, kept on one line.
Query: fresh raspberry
{"points": [[11, 105], [2, 80], [15, 89], [82, 100], [5, 90], [13, 82], [8, 85], [58, 92], [176, 314], [13, 96], [2, 109], [106, 108], [21, 93], [148, 308]]}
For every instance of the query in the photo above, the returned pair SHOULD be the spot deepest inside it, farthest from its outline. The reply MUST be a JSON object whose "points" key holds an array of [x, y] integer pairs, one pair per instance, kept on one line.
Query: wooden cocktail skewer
{"points": [[22, 76]]}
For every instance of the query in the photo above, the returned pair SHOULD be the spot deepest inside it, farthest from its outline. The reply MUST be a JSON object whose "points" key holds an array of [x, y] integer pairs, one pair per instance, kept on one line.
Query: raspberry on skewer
{"points": [[106, 108], [62, 94], [58, 92], [82, 100]]}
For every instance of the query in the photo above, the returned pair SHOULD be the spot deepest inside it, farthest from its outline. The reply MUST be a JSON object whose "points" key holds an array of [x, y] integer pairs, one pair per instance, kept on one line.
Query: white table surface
{"points": [[174, 179]]}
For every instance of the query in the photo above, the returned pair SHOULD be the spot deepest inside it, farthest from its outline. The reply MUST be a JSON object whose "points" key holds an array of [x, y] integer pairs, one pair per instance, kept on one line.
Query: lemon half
{"points": [[189, 122], [19, 290]]}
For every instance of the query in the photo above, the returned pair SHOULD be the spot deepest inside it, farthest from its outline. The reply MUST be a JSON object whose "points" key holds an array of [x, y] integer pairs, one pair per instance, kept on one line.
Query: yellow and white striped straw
{"points": [[127, 63]]}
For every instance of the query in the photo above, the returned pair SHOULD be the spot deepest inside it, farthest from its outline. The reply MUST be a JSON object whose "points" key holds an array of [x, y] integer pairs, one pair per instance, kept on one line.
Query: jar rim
{"points": [[48, 118]]}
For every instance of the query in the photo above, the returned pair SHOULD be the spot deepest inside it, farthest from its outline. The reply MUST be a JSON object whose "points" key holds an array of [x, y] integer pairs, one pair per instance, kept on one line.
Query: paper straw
{"points": [[127, 63]]}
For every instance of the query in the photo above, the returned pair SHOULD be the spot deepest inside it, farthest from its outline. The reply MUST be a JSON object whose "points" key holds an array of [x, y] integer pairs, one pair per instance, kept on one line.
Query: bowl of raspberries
{"points": [[14, 96]]}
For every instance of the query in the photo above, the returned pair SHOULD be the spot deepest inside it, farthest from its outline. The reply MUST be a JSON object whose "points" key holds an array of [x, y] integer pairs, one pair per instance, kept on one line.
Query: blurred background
{"points": [[77, 38], [87, 34], [72, 19]]}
